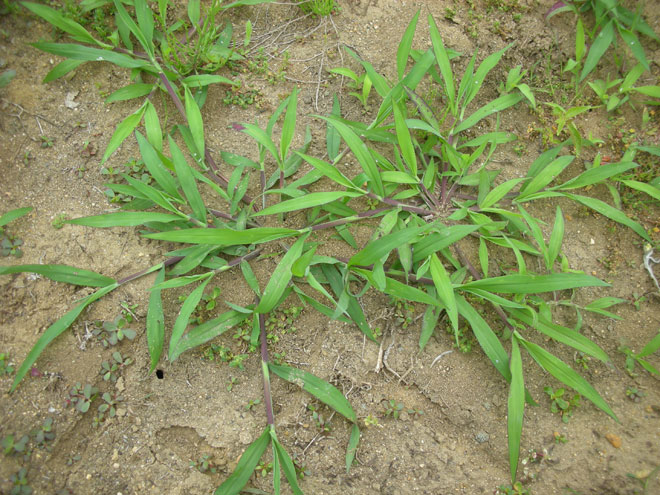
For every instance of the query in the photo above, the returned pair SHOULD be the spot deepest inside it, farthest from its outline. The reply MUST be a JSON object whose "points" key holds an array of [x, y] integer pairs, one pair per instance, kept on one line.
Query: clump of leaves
{"points": [[393, 408], [562, 403], [111, 369], [44, 434], [81, 396], [15, 445], [110, 333], [320, 8], [428, 174], [19, 482], [10, 245], [6, 366], [633, 358], [204, 464], [108, 409]]}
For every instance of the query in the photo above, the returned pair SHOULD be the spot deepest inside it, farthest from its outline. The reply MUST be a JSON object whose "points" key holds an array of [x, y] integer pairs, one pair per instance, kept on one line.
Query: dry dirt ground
{"points": [[199, 407]]}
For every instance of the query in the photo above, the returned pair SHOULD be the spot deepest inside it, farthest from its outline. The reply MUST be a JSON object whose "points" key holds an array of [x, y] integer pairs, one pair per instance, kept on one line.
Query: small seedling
{"points": [[393, 408], [251, 403], [232, 381], [82, 396], [204, 464], [73, 459], [361, 84], [322, 423], [634, 394], [516, 489], [20, 483], [9, 244], [13, 446], [633, 358], [46, 142], [559, 438], [264, 468], [6, 366], [111, 369], [44, 434], [320, 8], [59, 221], [110, 333], [371, 420], [560, 405], [108, 409]]}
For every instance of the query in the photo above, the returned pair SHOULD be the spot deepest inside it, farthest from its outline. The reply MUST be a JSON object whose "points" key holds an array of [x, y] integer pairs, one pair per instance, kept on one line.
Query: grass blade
{"points": [[403, 52], [245, 467], [195, 122], [382, 247], [611, 213], [484, 68], [497, 105], [129, 92], [224, 237], [187, 181], [498, 193], [595, 175], [332, 138], [183, 318], [90, 54], [124, 219], [516, 407], [445, 291], [280, 277], [62, 69], [652, 191], [123, 130], [442, 60], [56, 329], [651, 347], [351, 450], [155, 166], [287, 466], [69, 26], [598, 49], [156, 323], [130, 23], [565, 374], [556, 239], [328, 170], [289, 125], [62, 273], [12, 215], [322, 390], [546, 176], [404, 138], [534, 284], [152, 127], [307, 201]]}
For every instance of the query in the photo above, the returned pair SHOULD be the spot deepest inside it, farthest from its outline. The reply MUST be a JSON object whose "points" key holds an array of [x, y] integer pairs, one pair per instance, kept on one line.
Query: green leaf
{"points": [[55, 330], [155, 323], [516, 407], [383, 246], [651, 347], [58, 20], [195, 122], [319, 388], [442, 60], [611, 213], [633, 43], [90, 54], [332, 138], [556, 239], [652, 191], [123, 130], [246, 466], [281, 277], [437, 241], [152, 127], [546, 176], [224, 237], [403, 52], [137, 32], [404, 138], [193, 12], [12, 215], [497, 105], [182, 320], [201, 80], [561, 334], [207, 331], [445, 291], [361, 152], [352, 446], [480, 76], [61, 69], [155, 165], [565, 374], [533, 284], [289, 125], [287, 465], [595, 175], [187, 180], [62, 273], [307, 201], [328, 170], [123, 219], [498, 193], [129, 92], [653, 91], [598, 49]]}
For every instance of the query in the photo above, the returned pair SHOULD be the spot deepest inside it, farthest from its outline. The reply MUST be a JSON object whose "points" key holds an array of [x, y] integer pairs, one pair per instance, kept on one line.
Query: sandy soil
{"points": [[198, 407]]}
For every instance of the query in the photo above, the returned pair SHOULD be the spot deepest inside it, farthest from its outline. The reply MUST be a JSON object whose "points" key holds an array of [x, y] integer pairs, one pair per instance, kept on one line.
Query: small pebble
{"points": [[482, 437], [614, 440]]}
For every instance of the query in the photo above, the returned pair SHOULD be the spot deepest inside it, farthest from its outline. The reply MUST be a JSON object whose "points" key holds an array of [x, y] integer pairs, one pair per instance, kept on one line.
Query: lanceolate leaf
{"points": [[497, 105], [183, 319], [404, 47], [445, 290], [565, 374], [246, 465], [287, 465], [62, 69], [195, 123], [58, 20], [533, 284], [129, 92], [123, 130], [309, 200], [12, 215], [155, 323], [289, 125], [352, 446], [56, 329], [62, 273], [322, 390], [89, 54], [516, 407], [187, 180], [598, 48], [124, 219], [383, 246], [224, 237]]}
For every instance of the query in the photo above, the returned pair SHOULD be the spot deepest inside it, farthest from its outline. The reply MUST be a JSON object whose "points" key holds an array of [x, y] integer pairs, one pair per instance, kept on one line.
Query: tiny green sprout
{"points": [[321, 8], [322, 423], [6, 366], [110, 369], [20, 483], [560, 405], [58, 221], [110, 333], [13, 446], [559, 438], [82, 396], [108, 409], [264, 469], [46, 142], [237, 361], [393, 408], [634, 394], [204, 464], [516, 489], [361, 84], [251, 403], [232, 381]]}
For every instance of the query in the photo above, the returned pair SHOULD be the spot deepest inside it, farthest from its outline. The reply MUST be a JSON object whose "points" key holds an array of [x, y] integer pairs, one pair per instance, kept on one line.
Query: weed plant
{"points": [[423, 184]]}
